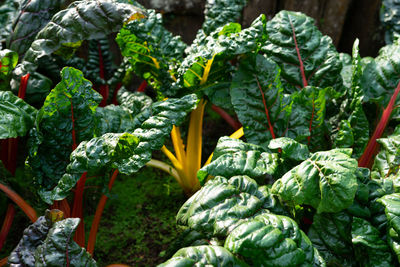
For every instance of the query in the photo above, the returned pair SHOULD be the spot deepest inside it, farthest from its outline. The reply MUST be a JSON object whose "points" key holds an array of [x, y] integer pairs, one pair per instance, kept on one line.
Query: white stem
{"points": [[165, 167]]}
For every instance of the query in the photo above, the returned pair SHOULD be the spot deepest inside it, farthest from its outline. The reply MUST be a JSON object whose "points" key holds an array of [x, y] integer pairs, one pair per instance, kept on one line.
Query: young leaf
{"points": [[203, 256], [289, 149], [68, 117], [305, 56], [16, 116], [326, 181], [222, 204], [8, 61], [227, 161], [273, 240], [390, 18], [370, 249], [151, 50], [59, 248]]}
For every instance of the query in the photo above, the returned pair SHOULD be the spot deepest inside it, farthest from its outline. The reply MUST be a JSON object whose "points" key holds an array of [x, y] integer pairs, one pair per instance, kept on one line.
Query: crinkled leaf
{"points": [[59, 248], [327, 181], [330, 233], [16, 116], [390, 19], [203, 256], [127, 152], [381, 77], [34, 15], [222, 204], [152, 50], [68, 115], [273, 240], [8, 61], [258, 100], [114, 119], [305, 56], [289, 148], [228, 161], [207, 61], [135, 102], [392, 211], [220, 12], [370, 249], [33, 236], [8, 12]]}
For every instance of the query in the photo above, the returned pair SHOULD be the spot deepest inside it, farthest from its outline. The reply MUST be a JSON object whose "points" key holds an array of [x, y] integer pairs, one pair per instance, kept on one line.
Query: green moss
{"points": [[139, 219]]}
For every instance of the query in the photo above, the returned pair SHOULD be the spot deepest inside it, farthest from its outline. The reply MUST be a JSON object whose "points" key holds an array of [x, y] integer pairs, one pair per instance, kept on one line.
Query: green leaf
{"points": [[59, 249], [203, 256], [390, 17], [34, 15], [82, 20], [330, 233], [8, 12], [392, 211], [273, 240], [207, 60], [387, 161], [153, 52], [305, 56], [234, 157], [289, 148], [381, 76], [222, 204], [8, 61], [258, 100], [220, 12], [370, 249], [127, 152], [327, 181], [16, 116], [34, 235], [68, 117]]}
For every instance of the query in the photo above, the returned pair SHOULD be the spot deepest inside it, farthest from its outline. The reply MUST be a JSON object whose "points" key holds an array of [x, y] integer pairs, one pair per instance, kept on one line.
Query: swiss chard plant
{"points": [[315, 182]]}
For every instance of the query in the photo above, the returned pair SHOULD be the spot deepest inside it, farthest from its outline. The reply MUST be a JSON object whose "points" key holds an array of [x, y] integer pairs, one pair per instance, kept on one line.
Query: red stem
{"points": [[98, 214], [5, 229], [23, 85], [77, 211], [104, 90], [142, 87], [372, 147], [228, 118], [271, 128], [117, 87], [303, 75]]}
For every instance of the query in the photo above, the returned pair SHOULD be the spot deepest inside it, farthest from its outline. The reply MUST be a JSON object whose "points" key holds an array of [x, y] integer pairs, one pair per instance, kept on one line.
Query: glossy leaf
{"points": [[8, 12], [68, 117], [127, 152], [326, 181], [222, 204], [8, 61], [370, 249], [241, 159], [305, 56], [33, 16], [380, 77], [153, 52], [392, 211], [203, 256], [207, 60], [220, 12], [330, 233], [390, 18], [273, 240], [289, 149], [59, 248], [33, 236], [16, 116]]}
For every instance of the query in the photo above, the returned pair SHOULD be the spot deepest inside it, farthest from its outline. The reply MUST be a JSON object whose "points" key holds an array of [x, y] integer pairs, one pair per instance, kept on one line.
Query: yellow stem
{"points": [[194, 144], [236, 135], [165, 167], [172, 158], [179, 147], [207, 71]]}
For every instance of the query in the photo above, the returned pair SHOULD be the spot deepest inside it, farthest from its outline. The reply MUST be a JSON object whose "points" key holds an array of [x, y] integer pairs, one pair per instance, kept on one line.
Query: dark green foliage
{"points": [[16, 116], [390, 18]]}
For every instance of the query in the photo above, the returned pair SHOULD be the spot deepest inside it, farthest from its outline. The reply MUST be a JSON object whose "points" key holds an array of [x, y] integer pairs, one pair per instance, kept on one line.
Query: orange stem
{"points": [[26, 208], [3, 262], [77, 211], [5, 229], [98, 214]]}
